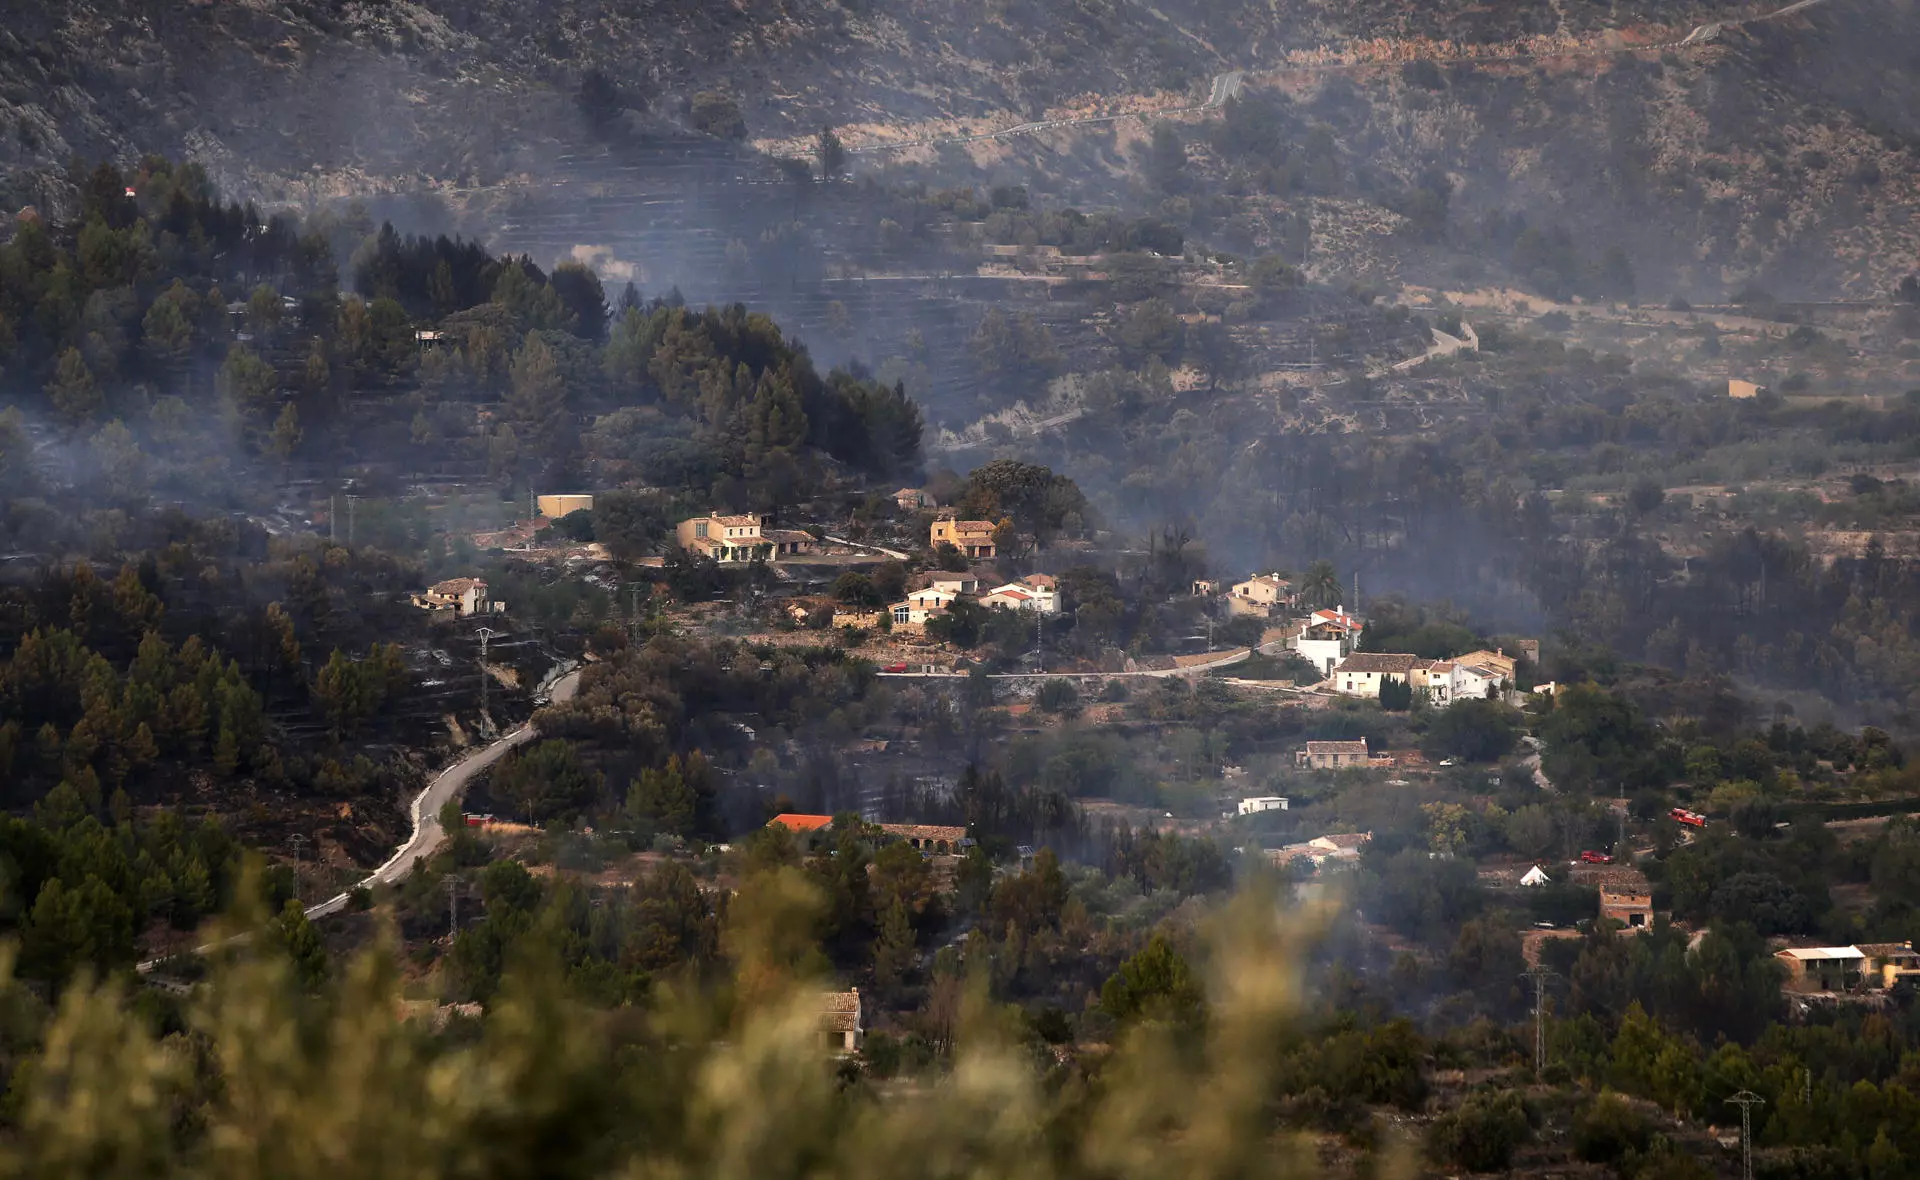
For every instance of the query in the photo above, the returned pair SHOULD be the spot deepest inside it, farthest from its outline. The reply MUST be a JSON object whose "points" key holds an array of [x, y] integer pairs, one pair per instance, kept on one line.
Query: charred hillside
{"points": [[445, 89]]}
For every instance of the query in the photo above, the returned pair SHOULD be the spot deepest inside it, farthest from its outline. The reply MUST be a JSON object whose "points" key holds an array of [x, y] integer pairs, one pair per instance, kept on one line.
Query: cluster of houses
{"points": [[1038, 593], [1329, 641]]}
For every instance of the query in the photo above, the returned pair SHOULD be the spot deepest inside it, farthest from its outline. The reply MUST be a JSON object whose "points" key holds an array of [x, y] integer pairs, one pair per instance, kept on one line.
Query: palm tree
{"points": [[1321, 586]]}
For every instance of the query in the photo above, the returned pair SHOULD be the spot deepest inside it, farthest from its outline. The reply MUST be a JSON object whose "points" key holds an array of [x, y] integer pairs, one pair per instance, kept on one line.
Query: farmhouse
{"points": [[1333, 755], [729, 539], [1362, 674], [973, 538], [458, 596]]}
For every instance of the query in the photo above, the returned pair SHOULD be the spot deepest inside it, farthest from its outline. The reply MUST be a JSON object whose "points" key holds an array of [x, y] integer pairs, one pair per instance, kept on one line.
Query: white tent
{"points": [[1535, 876]]}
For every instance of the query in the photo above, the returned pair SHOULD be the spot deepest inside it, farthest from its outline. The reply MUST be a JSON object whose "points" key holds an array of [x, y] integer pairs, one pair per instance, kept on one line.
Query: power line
{"points": [[298, 841], [1540, 976], [1746, 1100], [485, 633]]}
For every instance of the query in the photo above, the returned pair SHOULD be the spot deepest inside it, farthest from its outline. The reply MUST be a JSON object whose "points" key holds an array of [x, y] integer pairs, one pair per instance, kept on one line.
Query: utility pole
{"points": [[333, 518], [1746, 1100], [453, 906], [485, 633], [353, 502], [633, 610], [298, 841], [1540, 976]]}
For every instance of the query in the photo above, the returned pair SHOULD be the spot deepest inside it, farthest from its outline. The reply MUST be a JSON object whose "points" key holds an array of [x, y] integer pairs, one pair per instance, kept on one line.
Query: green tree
{"points": [[829, 153], [538, 399], [675, 798], [286, 434], [72, 391], [1473, 730], [1155, 984], [544, 782], [1483, 1134], [894, 950], [167, 330], [248, 383], [122, 464], [295, 937]]}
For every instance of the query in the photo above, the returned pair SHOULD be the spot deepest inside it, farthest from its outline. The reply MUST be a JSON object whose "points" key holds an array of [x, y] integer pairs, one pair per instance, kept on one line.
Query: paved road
{"points": [[1227, 659], [426, 820], [427, 804]]}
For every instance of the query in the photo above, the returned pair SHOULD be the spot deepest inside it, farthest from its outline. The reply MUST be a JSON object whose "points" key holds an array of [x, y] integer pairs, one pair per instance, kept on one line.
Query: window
{"points": [[700, 529]]}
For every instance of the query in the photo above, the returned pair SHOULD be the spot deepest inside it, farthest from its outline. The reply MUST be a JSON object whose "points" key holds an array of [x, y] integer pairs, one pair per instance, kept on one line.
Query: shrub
{"points": [[1609, 1128], [1483, 1134]]}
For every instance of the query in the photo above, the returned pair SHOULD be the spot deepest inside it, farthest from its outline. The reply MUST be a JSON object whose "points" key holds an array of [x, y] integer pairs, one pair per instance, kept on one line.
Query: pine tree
{"points": [[286, 433], [72, 390], [301, 943], [893, 951], [538, 398]]}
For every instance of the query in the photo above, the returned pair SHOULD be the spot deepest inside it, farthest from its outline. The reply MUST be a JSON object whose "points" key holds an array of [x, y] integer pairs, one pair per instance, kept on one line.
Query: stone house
{"points": [[1333, 755]]}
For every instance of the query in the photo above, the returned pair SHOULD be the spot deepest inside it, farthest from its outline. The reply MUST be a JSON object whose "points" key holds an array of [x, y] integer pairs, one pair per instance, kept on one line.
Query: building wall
{"points": [[555, 507]]}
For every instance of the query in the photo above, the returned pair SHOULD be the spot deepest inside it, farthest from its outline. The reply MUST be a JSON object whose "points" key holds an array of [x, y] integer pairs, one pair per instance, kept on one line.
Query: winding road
{"points": [[427, 833], [426, 806]]}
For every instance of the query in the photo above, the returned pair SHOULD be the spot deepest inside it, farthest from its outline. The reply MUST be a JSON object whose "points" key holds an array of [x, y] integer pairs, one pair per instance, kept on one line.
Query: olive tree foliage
{"points": [[721, 1081]]}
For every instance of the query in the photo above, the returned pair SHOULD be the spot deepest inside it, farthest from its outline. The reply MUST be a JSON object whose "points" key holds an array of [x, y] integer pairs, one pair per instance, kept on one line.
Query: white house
{"points": [[1476, 681], [1362, 674], [932, 597], [1326, 637], [1025, 594], [461, 596], [912, 619], [1260, 803]]}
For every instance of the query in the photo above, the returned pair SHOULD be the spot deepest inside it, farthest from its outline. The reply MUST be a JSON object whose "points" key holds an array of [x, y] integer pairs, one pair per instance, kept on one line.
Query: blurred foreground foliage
{"points": [[257, 1075]]}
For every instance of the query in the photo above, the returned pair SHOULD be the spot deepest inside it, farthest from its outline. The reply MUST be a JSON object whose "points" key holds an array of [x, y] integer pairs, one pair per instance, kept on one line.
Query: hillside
{"points": [[444, 89]]}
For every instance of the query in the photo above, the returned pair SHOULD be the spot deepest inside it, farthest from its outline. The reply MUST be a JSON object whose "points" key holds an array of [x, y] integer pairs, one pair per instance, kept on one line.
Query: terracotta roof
{"points": [[840, 1011], [1359, 747], [786, 535], [738, 521], [800, 823], [1042, 581], [1344, 839], [457, 586], [1378, 661], [1883, 950]]}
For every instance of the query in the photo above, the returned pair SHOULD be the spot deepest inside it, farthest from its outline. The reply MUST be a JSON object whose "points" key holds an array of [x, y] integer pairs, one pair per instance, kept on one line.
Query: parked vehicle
{"points": [[894, 668], [1595, 858], [1692, 819]]}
